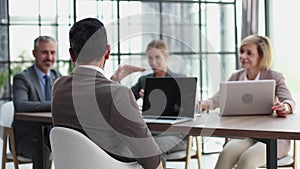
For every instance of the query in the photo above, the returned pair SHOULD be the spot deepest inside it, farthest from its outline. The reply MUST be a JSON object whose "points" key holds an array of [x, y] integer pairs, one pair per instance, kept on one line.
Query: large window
{"points": [[201, 35], [285, 34]]}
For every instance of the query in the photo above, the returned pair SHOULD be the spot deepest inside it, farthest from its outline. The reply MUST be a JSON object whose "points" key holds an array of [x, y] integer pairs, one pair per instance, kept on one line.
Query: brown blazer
{"points": [[282, 93], [107, 113]]}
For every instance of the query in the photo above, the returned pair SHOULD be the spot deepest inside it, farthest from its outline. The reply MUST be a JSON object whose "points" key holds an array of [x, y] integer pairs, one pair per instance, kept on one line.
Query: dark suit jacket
{"points": [[141, 82], [28, 97], [107, 113]]}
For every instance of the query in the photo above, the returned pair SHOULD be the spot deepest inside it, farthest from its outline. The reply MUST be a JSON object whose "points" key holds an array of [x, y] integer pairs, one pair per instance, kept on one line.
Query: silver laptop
{"points": [[169, 100], [247, 97]]}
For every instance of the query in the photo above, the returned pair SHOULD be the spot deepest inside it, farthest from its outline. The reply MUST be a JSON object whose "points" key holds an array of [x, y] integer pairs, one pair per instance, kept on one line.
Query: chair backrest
{"points": [[73, 150], [7, 114], [6, 119], [289, 160]]}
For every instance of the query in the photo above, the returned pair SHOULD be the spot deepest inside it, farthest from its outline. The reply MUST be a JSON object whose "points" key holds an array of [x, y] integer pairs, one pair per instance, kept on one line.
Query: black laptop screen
{"points": [[170, 96]]}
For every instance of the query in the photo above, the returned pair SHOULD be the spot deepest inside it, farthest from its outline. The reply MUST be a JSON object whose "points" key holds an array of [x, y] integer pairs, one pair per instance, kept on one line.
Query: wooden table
{"points": [[44, 117], [264, 128]]}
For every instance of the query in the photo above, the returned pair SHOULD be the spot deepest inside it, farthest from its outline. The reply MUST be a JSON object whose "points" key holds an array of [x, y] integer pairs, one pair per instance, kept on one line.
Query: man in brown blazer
{"points": [[102, 109]]}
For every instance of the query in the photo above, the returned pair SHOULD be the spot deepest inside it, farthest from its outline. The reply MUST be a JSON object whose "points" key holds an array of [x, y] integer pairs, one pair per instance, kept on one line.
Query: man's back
{"points": [[105, 111]]}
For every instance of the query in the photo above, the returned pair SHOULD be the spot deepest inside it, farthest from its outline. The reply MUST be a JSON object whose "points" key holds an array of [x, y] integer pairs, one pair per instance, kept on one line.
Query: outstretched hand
{"points": [[124, 71]]}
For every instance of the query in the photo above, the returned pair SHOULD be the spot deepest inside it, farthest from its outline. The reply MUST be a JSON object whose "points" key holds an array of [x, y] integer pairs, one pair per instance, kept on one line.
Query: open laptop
{"points": [[247, 97], [169, 100]]}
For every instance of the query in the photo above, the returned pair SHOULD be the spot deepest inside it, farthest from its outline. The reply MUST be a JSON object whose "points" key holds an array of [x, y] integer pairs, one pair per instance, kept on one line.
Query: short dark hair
{"points": [[88, 40]]}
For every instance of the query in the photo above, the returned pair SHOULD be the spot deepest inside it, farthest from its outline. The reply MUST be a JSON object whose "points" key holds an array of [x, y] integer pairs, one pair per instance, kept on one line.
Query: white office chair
{"points": [[73, 150], [189, 153], [290, 160], [6, 119]]}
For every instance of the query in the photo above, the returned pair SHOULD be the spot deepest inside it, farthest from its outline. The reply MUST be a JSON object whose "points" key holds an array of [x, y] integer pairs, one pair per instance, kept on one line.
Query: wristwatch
{"points": [[286, 107]]}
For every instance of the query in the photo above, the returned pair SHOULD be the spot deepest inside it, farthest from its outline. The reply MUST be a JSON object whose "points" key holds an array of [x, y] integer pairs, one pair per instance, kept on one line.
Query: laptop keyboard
{"points": [[162, 118]]}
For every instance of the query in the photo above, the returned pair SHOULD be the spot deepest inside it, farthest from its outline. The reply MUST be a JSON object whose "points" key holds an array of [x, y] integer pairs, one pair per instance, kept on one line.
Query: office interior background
{"points": [[203, 36]]}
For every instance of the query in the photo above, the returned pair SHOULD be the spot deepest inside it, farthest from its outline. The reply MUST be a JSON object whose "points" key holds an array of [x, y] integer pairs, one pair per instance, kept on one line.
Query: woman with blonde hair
{"points": [[255, 59], [158, 55]]}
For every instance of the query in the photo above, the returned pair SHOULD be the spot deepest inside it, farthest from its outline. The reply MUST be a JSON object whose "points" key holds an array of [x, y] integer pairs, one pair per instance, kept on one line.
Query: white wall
{"points": [[285, 36]]}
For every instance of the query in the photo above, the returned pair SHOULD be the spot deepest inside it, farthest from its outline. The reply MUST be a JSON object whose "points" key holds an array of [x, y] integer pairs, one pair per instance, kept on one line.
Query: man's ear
{"points": [[33, 53], [107, 52], [72, 55]]}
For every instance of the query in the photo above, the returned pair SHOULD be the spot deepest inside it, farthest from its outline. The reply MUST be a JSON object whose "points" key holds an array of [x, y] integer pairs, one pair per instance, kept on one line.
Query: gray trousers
{"points": [[170, 143]]}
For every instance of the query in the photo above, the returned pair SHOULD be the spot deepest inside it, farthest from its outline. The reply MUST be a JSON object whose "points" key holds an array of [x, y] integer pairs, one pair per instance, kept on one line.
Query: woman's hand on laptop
{"points": [[204, 106], [141, 93], [281, 109], [201, 106]]}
